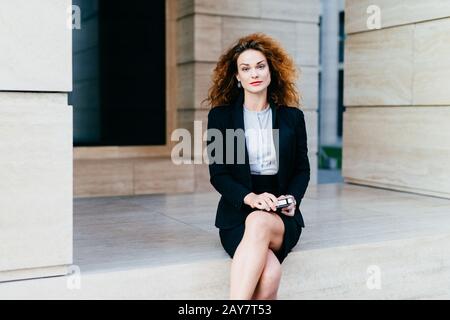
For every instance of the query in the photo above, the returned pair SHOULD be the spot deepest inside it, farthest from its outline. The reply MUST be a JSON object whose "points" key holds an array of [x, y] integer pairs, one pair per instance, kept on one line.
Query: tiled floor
{"points": [[129, 232]]}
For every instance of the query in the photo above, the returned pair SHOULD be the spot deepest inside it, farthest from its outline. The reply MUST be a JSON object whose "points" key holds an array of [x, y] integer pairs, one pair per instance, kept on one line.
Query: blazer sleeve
{"points": [[301, 169], [220, 176]]}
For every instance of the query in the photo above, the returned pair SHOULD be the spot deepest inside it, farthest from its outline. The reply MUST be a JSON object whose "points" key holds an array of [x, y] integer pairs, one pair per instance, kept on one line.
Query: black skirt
{"points": [[230, 238]]}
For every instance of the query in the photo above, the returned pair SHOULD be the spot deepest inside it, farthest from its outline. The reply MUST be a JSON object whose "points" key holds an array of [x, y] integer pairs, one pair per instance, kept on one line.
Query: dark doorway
{"points": [[119, 74]]}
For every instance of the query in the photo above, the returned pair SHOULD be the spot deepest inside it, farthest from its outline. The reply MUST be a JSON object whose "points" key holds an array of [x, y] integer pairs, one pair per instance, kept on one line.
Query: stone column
{"points": [[36, 139], [330, 68], [396, 95]]}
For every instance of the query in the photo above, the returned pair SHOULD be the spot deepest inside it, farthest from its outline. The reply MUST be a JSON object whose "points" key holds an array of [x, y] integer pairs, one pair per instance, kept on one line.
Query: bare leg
{"points": [[263, 230], [269, 281]]}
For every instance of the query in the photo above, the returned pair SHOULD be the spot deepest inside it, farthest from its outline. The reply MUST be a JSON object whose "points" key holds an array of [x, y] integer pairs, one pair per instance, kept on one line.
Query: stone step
{"points": [[415, 268]]}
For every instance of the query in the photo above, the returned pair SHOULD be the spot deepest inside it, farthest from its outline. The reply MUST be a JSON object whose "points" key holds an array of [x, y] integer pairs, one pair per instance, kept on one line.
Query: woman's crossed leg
{"points": [[255, 270]]}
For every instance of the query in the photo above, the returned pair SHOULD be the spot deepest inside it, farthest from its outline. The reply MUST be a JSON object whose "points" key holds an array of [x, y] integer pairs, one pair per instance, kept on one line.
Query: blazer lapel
{"points": [[238, 113], [277, 139], [238, 118]]}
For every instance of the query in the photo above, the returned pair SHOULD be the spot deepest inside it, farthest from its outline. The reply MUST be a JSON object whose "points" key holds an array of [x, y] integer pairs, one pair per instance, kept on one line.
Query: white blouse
{"points": [[259, 141]]}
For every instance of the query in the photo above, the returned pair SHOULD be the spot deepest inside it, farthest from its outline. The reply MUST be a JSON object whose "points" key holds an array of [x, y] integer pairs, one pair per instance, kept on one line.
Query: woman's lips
{"points": [[255, 83]]}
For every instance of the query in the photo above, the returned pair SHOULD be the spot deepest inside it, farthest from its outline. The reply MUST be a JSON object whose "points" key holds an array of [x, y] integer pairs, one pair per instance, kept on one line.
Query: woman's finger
{"points": [[268, 200], [272, 205], [259, 205], [271, 196], [274, 201], [268, 204], [289, 212]]}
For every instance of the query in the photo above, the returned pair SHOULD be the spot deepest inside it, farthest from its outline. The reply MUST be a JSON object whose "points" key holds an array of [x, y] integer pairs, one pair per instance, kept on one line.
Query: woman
{"points": [[254, 89]]}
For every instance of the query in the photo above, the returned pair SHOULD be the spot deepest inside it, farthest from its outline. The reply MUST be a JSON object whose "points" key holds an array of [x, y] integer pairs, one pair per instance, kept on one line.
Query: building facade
{"points": [[395, 93]]}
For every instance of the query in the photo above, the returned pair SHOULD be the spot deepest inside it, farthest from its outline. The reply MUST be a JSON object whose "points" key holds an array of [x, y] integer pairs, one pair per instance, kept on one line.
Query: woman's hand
{"points": [[264, 201], [289, 211]]}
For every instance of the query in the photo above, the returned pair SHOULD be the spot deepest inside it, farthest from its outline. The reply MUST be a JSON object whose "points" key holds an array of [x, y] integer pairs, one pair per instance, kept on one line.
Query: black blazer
{"points": [[233, 181]]}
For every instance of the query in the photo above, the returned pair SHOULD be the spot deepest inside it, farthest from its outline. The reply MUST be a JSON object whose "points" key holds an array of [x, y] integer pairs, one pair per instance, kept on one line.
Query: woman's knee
{"points": [[258, 223]]}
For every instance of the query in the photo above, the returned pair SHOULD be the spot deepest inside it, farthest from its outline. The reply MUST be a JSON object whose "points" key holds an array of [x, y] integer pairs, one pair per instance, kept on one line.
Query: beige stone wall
{"points": [[36, 46], [207, 28], [396, 96], [36, 139]]}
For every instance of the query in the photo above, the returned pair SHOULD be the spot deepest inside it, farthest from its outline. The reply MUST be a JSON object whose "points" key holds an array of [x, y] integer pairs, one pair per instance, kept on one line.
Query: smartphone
{"points": [[286, 202]]}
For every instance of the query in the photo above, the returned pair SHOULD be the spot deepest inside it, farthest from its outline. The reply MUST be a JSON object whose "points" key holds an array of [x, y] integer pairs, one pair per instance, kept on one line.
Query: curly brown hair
{"points": [[282, 89]]}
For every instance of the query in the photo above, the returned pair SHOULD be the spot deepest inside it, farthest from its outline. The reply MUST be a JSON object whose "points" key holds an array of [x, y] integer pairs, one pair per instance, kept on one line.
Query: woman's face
{"points": [[253, 71]]}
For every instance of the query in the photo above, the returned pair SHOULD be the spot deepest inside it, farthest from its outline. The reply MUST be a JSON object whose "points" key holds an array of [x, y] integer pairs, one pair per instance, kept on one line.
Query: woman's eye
{"points": [[244, 69], [261, 66]]}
